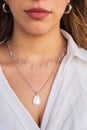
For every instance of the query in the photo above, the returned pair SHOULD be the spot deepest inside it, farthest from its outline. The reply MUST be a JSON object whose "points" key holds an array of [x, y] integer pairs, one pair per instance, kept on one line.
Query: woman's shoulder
{"points": [[79, 61], [78, 67], [82, 54], [73, 49]]}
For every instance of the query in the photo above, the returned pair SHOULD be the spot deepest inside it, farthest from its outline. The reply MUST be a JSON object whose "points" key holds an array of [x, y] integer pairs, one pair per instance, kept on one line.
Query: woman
{"points": [[43, 69]]}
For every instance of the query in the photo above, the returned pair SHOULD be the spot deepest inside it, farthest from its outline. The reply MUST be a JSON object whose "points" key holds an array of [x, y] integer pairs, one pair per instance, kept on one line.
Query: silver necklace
{"points": [[32, 65], [36, 98]]}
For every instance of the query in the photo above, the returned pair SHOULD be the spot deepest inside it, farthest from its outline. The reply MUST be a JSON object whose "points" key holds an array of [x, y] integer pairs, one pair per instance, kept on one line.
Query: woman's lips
{"points": [[37, 13]]}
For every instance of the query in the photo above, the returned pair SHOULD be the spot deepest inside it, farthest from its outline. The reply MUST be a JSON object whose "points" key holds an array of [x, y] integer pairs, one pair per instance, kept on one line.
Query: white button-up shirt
{"points": [[67, 104]]}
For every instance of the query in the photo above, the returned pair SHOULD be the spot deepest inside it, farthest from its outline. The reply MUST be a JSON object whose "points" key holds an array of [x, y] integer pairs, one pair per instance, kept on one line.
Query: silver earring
{"points": [[69, 9], [4, 8]]}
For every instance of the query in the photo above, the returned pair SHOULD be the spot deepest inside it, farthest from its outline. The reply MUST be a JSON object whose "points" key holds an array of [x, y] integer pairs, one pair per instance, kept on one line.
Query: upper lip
{"points": [[38, 10]]}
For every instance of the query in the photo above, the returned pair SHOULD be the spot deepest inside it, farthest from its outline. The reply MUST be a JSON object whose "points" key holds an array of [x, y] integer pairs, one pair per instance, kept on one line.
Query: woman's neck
{"points": [[37, 47]]}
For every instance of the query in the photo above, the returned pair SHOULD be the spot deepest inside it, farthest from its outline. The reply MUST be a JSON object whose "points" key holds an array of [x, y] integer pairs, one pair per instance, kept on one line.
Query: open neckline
{"points": [[21, 111]]}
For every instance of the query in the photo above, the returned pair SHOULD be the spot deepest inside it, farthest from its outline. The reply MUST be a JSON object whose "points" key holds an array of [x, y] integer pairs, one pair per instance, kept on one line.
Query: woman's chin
{"points": [[38, 31]]}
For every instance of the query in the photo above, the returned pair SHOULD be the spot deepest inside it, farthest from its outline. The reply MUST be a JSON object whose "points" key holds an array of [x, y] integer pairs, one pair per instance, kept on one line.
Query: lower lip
{"points": [[38, 15]]}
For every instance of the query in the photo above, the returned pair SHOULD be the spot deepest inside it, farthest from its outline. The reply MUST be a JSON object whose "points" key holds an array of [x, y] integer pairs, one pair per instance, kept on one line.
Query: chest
{"points": [[25, 93], [64, 114]]}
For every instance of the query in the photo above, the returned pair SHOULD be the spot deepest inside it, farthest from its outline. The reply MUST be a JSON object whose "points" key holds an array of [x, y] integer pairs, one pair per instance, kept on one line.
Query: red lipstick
{"points": [[37, 13]]}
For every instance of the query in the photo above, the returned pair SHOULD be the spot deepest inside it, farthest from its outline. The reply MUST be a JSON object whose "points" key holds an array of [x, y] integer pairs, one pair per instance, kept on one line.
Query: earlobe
{"points": [[68, 1]]}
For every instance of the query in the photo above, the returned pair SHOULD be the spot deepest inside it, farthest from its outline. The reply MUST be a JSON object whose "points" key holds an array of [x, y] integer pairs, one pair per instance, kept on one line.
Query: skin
{"points": [[28, 30], [32, 26], [33, 39]]}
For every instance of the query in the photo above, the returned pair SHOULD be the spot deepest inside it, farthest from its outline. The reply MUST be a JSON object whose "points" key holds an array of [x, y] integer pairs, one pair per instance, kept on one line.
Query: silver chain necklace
{"points": [[36, 98], [32, 65]]}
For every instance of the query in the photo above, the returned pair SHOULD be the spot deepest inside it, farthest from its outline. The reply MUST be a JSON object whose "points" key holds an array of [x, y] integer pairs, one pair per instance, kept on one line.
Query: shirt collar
{"points": [[73, 49]]}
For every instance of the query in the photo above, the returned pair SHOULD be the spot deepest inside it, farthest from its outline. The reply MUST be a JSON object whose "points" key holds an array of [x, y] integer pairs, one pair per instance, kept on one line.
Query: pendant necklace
{"points": [[36, 98]]}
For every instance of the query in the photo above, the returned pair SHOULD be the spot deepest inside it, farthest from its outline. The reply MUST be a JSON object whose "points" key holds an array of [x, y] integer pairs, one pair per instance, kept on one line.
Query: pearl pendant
{"points": [[36, 100]]}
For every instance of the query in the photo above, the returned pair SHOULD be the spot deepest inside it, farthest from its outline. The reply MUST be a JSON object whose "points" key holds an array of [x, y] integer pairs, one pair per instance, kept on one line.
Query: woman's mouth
{"points": [[38, 13]]}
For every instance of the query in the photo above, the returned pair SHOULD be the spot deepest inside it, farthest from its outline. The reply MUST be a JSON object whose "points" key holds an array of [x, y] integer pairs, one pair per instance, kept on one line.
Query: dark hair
{"points": [[6, 23], [75, 23]]}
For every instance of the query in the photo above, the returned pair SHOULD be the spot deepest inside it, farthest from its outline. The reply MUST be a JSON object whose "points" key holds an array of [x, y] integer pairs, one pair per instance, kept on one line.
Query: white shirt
{"points": [[67, 104]]}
